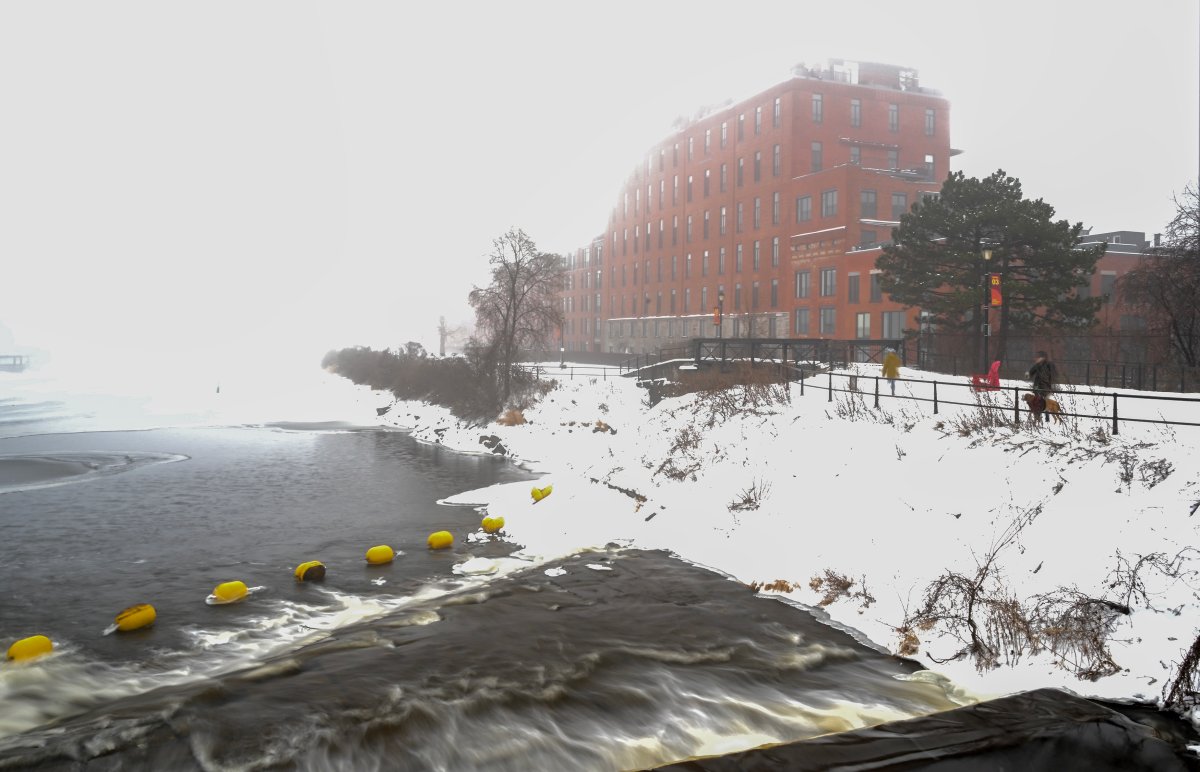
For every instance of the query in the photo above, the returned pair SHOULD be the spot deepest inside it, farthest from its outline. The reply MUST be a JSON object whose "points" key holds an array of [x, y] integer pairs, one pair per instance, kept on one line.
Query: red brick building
{"points": [[772, 209]]}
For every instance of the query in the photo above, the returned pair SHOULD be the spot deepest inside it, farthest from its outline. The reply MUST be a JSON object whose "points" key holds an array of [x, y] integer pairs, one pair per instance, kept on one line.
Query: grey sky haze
{"points": [[222, 178]]}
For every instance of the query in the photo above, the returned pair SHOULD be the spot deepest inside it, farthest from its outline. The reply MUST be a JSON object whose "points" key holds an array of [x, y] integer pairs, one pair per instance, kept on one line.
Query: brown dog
{"points": [[1038, 405]]}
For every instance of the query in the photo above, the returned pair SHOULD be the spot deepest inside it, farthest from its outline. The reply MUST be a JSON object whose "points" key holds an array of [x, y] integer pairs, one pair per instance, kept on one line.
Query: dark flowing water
{"points": [[606, 660]]}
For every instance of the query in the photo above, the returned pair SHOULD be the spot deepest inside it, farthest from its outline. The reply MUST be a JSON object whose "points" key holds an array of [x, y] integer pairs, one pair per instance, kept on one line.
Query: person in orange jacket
{"points": [[891, 368]]}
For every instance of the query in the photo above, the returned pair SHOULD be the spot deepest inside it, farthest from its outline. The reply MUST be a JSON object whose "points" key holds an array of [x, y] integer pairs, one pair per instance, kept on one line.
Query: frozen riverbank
{"points": [[893, 520]]}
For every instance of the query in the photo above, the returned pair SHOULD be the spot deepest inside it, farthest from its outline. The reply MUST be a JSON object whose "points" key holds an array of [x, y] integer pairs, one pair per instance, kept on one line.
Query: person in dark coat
{"points": [[1042, 376]]}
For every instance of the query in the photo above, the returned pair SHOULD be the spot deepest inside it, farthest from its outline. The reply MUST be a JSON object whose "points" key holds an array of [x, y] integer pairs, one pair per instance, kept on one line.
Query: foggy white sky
{"points": [[212, 179]]}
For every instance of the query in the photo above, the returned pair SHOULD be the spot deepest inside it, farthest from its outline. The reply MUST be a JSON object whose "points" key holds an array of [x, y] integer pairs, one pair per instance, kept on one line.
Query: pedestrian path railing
{"points": [[1110, 407]]}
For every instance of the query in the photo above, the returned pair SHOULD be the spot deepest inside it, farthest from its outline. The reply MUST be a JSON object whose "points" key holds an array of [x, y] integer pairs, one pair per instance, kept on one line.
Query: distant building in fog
{"points": [[779, 202]]}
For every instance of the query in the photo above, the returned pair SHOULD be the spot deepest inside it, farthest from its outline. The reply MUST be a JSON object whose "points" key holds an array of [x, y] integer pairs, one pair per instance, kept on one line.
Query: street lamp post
{"points": [[720, 312], [562, 347], [985, 312]]}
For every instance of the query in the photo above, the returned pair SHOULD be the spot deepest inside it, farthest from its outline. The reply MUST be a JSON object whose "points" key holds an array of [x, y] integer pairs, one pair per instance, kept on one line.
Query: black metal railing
{"points": [[1128, 408]]}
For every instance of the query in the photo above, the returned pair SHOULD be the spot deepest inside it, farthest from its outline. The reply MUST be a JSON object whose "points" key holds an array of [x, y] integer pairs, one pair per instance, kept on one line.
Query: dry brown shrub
{"points": [[512, 418], [779, 585], [834, 587]]}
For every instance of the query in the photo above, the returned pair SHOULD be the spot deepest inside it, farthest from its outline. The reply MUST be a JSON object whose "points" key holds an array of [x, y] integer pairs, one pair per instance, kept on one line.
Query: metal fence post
{"points": [[802, 380], [830, 387], [876, 391], [935, 405], [1017, 405], [1114, 396]]}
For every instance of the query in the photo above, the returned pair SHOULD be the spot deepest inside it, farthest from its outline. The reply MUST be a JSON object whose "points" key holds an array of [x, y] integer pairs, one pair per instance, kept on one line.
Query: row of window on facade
{"points": [[674, 301], [817, 163], [888, 325], [818, 116], [868, 209]]}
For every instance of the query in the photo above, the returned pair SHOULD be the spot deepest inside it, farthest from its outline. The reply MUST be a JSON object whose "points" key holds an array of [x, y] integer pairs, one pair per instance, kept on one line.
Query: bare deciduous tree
{"points": [[521, 307], [1165, 286]]}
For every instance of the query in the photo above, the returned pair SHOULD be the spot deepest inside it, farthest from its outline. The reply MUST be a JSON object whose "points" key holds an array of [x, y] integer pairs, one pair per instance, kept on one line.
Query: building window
{"points": [[687, 299], [721, 261], [855, 155], [862, 324], [930, 121], [649, 227], [828, 320], [737, 297], [856, 113], [876, 288], [674, 229], [741, 172], [777, 160], [658, 270], [741, 127], [893, 159], [707, 140], [818, 108], [829, 203], [774, 293], [757, 165], [674, 268], [817, 154], [929, 172], [1108, 280], [689, 189], [723, 223], [777, 116], [758, 120], [724, 133], [724, 176], [706, 223], [802, 284], [687, 266], [893, 118], [893, 324], [675, 190], [828, 282], [775, 252], [803, 209], [899, 205], [757, 255], [672, 302], [757, 212], [741, 221], [867, 204], [737, 260], [707, 181], [852, 288], [704, 264], [868, 238], [801, 321], [690, 154], [661, 231], [657, 310], [775, 206], [703, 299]]}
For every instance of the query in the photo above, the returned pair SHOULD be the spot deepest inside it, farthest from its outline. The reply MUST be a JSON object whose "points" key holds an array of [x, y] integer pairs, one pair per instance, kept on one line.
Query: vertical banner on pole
{"points": [[994, 286]]}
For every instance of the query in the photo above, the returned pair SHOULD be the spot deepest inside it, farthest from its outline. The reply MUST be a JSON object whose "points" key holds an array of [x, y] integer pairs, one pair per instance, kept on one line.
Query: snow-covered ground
{"points": [[1035, 533]]}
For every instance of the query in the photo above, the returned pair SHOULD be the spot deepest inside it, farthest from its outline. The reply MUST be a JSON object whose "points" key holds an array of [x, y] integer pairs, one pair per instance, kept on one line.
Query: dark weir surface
{"points": [[1046, 729], [634, 662]]}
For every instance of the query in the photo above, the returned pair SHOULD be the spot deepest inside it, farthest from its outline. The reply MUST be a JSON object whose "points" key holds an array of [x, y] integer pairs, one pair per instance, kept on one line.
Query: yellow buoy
{"points": [[440, 540], [313, 570], [492, 524], [380, 554], [228, 592], [541, 493], [136, 617], [28, 648]]}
